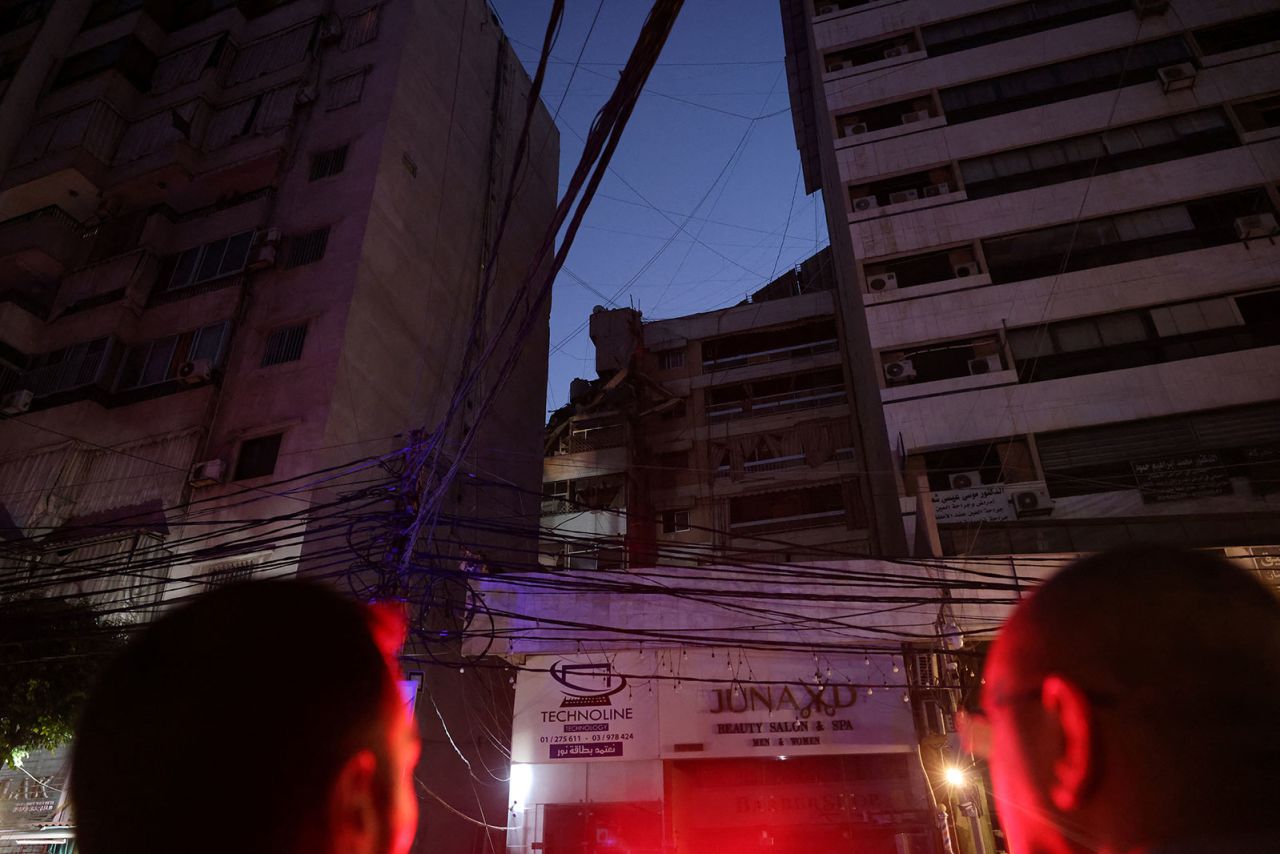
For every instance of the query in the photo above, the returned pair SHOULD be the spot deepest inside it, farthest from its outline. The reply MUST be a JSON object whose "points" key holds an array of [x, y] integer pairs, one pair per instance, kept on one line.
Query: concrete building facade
{"points": [[723, 435], [1059, 221], [243, 242]]}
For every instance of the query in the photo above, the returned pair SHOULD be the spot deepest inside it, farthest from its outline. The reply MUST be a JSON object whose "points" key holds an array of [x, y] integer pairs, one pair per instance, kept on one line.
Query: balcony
{"points": [[84, 365], [84, 139], [38, 246]]}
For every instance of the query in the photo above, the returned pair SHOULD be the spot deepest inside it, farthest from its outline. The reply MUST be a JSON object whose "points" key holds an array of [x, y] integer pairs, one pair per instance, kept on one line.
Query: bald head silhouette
{"points": [[1135, 700]]}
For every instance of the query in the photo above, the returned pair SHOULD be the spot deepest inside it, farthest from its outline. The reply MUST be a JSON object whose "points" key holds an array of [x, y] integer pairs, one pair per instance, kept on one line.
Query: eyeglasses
{"points": [[975, 729], [974, 726]]}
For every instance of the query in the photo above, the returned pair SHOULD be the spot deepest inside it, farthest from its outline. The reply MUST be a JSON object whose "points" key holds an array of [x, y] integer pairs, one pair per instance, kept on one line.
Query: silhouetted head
{"points": [[1133, 700], [262, 717]]}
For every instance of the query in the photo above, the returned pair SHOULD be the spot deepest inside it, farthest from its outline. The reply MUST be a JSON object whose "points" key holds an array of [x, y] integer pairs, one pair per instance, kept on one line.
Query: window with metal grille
{"points": [[285, 345], [258, 456], [360, 28], [345, 90], [307, 248], [326, 163]]}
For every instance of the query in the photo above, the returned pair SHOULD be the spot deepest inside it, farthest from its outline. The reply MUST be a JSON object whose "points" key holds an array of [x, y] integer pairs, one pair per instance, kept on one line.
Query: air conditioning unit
{"points": [[195, 371], [927, 672], [940, 189], [965, 479], [900, 371], [834, 65], [330, 29], [984, 365], [852, 128], [963, 271], [865, 203], [935, 718], [16, 402], [917, 116], [900, 50], [1146, 8], [1032, 501], [263, 253], [903, 196], [882, 282], [1175, 77], [1258, 225], [208, 473]]}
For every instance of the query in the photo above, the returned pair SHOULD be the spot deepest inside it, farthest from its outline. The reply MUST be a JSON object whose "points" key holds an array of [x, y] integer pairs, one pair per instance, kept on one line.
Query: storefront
{"points": [[706, 751]]}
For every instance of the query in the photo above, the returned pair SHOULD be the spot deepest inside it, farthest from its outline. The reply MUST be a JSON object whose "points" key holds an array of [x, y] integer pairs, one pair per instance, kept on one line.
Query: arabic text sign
{"points": [[980, 504]]}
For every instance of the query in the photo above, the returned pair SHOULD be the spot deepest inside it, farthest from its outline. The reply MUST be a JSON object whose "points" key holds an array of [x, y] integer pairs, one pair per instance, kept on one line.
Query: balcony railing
{"points": [[580, 439], [95, 127], [822, 519], [812, 348], [809, 398], [85, 364]]}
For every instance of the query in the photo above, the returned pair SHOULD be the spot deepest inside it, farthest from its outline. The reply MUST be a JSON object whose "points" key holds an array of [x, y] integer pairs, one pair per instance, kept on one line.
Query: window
{"points": [[258, 456], [211, 261], [999, 461], [942, 361], [1259, 115], [1237, 34], [327, 163], [886, 116], [750, 348], [360, 28], [1134, 338], [345, 90], [1062, 81], [904, 188], [284, 345], [865, 54], [1197, 452], [158, 361], [71, 367], [675, 521], [1013, 21], [906, 272], [1114, 150], [670, 359], [307, 248], [789, 509], [1128, 237], [772, 395]]}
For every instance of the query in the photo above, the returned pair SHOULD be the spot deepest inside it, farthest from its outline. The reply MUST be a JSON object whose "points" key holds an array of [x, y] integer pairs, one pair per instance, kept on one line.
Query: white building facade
{"points": [[1059, 223]]}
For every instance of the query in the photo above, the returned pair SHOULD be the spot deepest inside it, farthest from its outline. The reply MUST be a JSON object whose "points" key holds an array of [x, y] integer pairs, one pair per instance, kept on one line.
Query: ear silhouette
{"points": [[1076, 763], [353, 807]]}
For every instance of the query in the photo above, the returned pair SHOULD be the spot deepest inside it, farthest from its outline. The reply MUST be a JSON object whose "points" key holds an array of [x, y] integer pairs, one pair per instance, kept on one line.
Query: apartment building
{"points": [[1059, 222], [241, 242], [728, 434]]}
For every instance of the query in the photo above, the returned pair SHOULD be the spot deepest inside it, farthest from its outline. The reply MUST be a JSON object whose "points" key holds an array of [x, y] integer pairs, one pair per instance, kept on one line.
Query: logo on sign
{"points": [[587, 684]]}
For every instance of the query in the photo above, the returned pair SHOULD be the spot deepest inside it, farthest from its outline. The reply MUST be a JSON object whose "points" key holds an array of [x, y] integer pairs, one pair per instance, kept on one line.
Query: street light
{"points": [[955, 776]]}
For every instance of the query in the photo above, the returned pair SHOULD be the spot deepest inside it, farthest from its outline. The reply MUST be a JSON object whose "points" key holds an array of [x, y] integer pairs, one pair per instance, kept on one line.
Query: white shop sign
{"points": [[585, 707], [723, 702], [777, 709], [979, 504]]}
